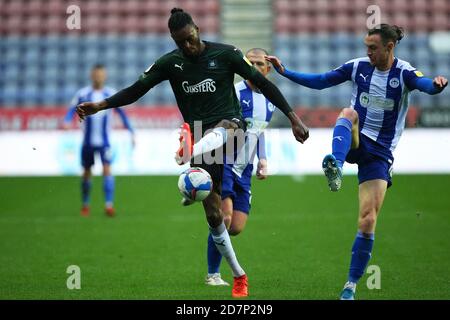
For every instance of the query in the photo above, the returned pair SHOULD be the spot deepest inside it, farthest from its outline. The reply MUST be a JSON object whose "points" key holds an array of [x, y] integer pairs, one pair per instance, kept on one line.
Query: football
{"points": [[195, 184]]}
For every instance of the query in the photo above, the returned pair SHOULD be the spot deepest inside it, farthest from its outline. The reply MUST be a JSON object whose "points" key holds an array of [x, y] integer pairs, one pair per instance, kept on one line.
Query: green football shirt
{"points": [[204, 85]]}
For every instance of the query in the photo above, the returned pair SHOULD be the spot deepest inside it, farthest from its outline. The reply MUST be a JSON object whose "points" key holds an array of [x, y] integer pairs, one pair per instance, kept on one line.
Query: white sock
{"points": [[210, 142], [223, 243]]}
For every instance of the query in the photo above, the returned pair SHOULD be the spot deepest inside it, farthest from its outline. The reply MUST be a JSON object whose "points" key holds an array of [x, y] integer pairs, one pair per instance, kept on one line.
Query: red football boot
{"points": [[85, 211], [110, 212], [240, 287], [184, 153]]}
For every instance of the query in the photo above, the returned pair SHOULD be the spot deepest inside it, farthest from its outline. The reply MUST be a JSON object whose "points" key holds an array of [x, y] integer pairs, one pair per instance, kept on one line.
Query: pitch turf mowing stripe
{"points": [[296, 244]]}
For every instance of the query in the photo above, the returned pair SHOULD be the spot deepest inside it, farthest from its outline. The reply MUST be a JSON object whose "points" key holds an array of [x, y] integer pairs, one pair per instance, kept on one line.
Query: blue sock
{"points": [[342, 140], [108, 189], [214, 256], [361, 253], [85, 191]]}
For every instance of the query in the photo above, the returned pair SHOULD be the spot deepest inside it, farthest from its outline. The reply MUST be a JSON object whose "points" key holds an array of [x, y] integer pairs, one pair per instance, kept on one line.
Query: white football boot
{"points": [[214, 279]]}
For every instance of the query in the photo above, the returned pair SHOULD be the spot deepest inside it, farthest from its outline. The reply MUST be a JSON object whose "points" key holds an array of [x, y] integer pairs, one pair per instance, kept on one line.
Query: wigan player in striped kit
{"points": [[236, 184], [96, 138], [368, 131]]}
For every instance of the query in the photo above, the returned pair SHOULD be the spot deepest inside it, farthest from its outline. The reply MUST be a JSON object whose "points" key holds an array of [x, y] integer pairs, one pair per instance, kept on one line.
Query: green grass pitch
{"points": [[296, 245]]}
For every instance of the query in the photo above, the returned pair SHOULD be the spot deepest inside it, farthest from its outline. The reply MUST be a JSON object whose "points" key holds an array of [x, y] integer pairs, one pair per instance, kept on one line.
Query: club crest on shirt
{"points": [[212, 64], [364, 99], [394, 82], [418, 73]]}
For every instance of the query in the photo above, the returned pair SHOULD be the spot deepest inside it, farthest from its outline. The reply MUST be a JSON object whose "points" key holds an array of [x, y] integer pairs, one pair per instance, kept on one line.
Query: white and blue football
{"points": [[195, 184]]}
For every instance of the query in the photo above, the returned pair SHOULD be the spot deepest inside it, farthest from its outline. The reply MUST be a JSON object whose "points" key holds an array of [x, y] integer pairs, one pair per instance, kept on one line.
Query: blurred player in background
{"points": [[96, 138], [368, 131], [201, 74], [236, 185]]}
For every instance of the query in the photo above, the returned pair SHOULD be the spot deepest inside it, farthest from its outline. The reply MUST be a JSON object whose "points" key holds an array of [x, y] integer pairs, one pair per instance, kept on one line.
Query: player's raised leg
{"points": [[345, 136], [209, 142], [223, 244], [237, 223], [371, 196]]}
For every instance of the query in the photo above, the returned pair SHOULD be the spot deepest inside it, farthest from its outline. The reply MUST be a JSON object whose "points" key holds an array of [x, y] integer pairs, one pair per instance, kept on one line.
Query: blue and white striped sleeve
{"points": [[322, 80], [261, 147], [124, 119], [414, 79]]}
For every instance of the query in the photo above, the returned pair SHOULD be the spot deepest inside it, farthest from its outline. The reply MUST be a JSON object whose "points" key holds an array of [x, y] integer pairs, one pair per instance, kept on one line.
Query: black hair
{"points": [[258, 49], [179, 19], [388, 33], [98, 66]]}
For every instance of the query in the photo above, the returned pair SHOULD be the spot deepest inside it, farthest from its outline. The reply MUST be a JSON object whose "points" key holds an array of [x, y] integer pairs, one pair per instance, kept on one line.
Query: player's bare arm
{"points": [[87, 108], [261, 169], [122, 98], [299, 129], [273, 94]]}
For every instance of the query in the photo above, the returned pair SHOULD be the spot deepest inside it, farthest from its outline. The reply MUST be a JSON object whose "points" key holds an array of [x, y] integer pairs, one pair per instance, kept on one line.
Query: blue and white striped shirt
{"points": [[379, 97], [96, 127], [257, 112]]}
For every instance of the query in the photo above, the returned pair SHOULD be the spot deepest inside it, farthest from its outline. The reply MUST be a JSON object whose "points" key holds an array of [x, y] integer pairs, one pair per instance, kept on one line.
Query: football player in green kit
{"points": [[201, 74]]}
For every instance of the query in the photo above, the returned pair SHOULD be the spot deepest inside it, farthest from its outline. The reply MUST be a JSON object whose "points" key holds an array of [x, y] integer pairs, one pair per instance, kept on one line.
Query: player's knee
{"points": [[106, 170], [235, 230], [227, 124], [350, 114], [367, 220], [87, 174], [237, 225]]}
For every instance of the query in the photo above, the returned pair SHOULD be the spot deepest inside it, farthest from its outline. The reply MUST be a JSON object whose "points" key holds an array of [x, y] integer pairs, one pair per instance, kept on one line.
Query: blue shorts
{"points": [[88, 153], [371, 166], [238, 189]]}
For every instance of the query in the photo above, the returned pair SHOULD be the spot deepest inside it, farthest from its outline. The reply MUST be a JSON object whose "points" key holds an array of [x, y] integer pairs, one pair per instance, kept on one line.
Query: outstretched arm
{"points": [[151, 77], [273, 94], [312, 80], [430, 86], [122, 98], [244, 68]]}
